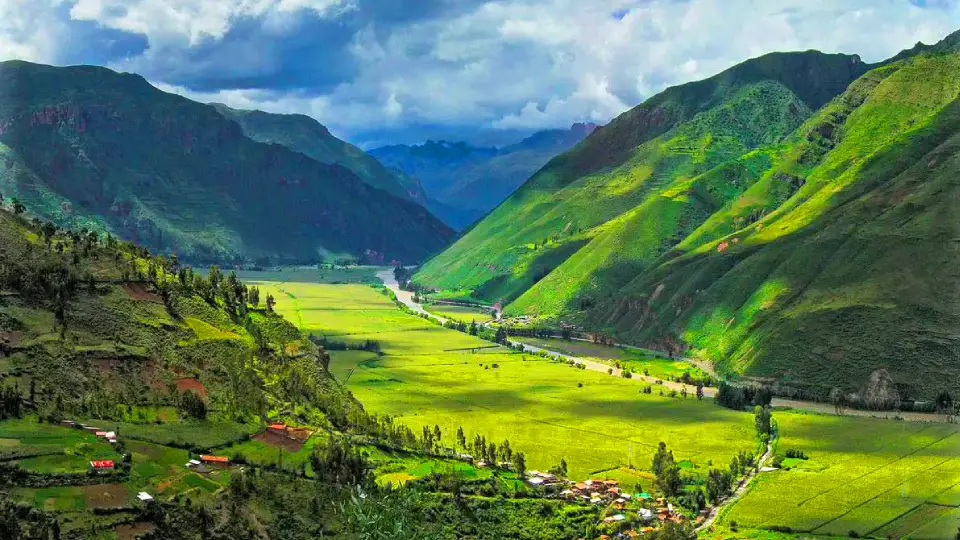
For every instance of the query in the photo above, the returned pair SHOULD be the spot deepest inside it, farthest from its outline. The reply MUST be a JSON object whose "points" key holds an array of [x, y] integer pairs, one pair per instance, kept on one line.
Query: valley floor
{"points": [[869, 476]]}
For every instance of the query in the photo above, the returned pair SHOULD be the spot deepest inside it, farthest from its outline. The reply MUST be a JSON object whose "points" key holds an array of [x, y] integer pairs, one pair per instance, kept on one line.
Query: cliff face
{"points": [[85, 145]]}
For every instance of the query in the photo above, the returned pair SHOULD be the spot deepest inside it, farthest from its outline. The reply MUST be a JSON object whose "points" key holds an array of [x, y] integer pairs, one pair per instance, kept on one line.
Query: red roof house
{"points": [[104, 464]]}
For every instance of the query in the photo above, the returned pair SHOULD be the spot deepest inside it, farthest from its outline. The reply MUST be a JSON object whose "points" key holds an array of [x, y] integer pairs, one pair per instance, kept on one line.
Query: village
{"points": [[622, 507]]}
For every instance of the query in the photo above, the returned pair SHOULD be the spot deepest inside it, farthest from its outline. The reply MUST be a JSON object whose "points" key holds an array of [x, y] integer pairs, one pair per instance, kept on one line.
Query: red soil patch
{"points": [[279, 441], [106, 365], [193, 385], [105, 496], [137, 291], [129, 531]]}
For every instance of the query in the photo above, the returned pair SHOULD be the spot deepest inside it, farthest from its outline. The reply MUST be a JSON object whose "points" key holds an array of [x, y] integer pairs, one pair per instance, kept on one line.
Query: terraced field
{"points": [[431, 376], [869, 476]]}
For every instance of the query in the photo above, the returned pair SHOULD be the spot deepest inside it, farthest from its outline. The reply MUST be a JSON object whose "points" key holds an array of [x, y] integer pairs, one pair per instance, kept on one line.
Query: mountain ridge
{"points": [[86, 146], [466, 181], [662, 226]]}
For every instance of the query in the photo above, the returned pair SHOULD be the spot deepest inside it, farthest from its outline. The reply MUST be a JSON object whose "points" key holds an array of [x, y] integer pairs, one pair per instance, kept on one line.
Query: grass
{"points": [[635, 361], [871, 476], [459, 313], [429, 375], [205, 434], [311, 274], [778, 236]]}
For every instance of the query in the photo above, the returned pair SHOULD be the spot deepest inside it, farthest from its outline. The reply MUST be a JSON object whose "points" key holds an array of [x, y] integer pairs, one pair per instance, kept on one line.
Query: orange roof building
{"points": [[214, 459]]}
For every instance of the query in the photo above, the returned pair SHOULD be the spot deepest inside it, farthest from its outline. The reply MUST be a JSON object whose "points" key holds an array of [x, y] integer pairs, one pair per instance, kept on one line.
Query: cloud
{"points": [[376, 70]]}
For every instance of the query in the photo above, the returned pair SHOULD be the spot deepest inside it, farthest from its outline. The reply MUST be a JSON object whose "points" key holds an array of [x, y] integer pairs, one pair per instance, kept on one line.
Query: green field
{"points": [[430, 375], [635, 361], [459, 313], [875, 477], [310, 274]]}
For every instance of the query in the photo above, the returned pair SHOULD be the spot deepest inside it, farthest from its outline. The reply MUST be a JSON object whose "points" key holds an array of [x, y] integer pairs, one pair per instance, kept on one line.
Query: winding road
{"points": [[406, 298]]}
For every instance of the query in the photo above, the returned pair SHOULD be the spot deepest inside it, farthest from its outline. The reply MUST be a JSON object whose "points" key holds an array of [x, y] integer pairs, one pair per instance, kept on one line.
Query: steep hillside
{"points": [[601, 191], [309, 137], [88, 146], [87, 322], [464, 182], [781, 219], [840, 261]]}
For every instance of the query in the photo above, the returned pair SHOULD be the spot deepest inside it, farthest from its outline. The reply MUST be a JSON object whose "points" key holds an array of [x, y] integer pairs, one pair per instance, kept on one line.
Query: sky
{"points": [[388, 71]]}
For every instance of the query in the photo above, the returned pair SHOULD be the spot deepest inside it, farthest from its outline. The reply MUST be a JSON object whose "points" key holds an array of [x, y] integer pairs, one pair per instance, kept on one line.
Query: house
{"points": [[106, 464], [614, 518], [215, 460], [144, 496], [536, 481], [278, 428]]}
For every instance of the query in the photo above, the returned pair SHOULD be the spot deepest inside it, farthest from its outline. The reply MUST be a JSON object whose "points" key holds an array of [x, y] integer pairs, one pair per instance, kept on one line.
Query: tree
{"points": [[192, 405], [944, 403], [839, 400], [254, 296], [270, 303], [473, 328], [761, 418], [461, 438], [520, 464], [18, 207], [667, 472], [501, 335], [699, 390]]}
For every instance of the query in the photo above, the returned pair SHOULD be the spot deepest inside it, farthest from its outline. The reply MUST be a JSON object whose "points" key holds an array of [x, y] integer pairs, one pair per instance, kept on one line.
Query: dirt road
{"points": [[406, 297]]}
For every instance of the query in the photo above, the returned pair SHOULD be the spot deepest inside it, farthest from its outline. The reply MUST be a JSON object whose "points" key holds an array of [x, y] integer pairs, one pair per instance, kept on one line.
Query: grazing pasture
{"points": [[635, 361], [459, 313], [428, 375], [870, 476]]}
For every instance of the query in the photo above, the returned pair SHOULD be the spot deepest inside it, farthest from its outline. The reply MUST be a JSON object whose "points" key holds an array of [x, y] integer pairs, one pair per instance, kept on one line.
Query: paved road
{"points": [[406, 298]]}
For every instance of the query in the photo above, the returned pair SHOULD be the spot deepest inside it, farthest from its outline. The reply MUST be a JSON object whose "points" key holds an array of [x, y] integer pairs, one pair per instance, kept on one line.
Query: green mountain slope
{"points": [[85, 145], [309, 137], [464, 182], [87, 322], [776, 221]]}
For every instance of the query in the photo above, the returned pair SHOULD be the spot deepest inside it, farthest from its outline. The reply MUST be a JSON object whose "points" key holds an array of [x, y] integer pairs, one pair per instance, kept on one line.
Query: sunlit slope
{"points": [[653, 164], [853, 272]]}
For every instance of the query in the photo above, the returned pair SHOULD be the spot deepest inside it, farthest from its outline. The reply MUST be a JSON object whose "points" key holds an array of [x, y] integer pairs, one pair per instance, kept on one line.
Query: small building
{"points": [[68, 423], [215, 460], [536, 481], [144, 496], [614, 518], [106, 464], [278, 428]]}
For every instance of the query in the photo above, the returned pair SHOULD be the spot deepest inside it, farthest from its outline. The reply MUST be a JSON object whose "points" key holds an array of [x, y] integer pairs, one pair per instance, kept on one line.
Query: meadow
{"points": [[634, 360], [459, 313], [866, 476], [428, 375]]}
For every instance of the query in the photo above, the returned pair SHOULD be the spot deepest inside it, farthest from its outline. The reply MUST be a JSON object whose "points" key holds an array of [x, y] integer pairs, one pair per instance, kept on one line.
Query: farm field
{"points": [[458, 313], [309, 274], [428, 375], [635, 361], [869, 476]]}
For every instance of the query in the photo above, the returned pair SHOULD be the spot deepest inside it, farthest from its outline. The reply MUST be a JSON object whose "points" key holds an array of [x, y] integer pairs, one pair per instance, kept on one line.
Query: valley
{"points": [[730, 312]]}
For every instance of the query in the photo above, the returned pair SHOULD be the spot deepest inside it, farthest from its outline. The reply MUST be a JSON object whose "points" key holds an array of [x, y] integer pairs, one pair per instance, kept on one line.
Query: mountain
{"points": [[305, 135], [793, 219], [464, 182], [87, 322], [88, 147]]}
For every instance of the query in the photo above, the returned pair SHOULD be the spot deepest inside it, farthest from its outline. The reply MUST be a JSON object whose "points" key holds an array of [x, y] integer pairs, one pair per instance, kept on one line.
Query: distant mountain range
{"points": [[88, 147], [463, 182], [794, 219]]}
